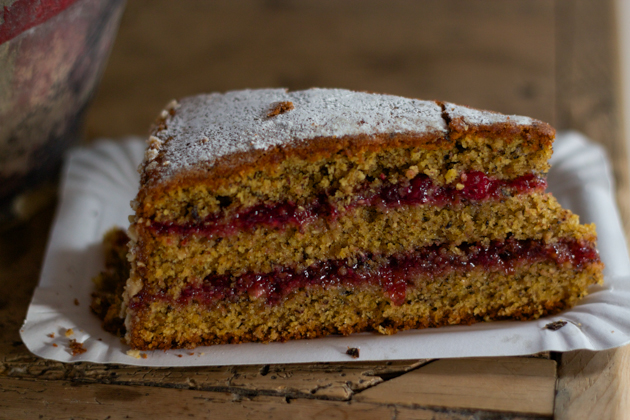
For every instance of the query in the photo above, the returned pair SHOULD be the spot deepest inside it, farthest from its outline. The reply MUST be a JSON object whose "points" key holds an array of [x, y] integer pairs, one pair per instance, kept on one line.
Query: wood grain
{"points": [[523, 385], [62, 400], [316, 380], [593, 385]]}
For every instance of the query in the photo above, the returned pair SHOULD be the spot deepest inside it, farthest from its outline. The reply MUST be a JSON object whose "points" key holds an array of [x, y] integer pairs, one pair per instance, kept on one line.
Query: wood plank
{"points": [[593, 385], [62, 400], [523, 385], [487, 54], [323, 380], [57, 400]]}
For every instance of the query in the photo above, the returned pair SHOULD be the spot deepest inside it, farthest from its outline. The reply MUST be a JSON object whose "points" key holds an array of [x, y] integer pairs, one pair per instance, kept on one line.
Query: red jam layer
{"points": [[474, 186], [394, 275]]}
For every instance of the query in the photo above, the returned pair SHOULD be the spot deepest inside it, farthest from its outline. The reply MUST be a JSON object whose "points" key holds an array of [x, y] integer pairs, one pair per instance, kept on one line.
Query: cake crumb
{"points": [[55, 345], [76, 302], [556, 325], [280, 108], [172, 106], [69, 332], [179, 355], [77, 348], [51, 335], [133, 353], [412, 172], [451, 175], [143, 355], [150, 155], [353, 352], [154, 142]]}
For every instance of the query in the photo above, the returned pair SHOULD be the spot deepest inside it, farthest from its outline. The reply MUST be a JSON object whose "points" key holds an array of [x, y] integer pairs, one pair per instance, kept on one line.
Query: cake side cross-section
{"points": [[268, 215]]}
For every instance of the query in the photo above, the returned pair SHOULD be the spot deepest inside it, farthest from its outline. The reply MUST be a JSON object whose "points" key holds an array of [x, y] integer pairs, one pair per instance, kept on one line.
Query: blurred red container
{"points": [[52, 54]]}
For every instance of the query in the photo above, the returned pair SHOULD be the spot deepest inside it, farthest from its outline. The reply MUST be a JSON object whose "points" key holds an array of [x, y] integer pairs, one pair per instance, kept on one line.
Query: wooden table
{"points": [[556, 61]]}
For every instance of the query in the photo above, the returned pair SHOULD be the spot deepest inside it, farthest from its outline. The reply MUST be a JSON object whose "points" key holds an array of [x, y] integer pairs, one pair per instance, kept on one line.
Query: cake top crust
{"points": [[201, 131], [476, 117], [463, 120], [204, 128]]}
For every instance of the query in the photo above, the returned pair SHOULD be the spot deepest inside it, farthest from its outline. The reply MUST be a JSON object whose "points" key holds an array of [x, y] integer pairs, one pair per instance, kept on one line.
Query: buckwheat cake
{"points": [[268, 215]]}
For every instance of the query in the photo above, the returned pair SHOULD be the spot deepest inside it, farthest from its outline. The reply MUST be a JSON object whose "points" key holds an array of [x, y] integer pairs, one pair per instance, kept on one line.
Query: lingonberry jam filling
{"points": [[393, 275], [474, 186]]}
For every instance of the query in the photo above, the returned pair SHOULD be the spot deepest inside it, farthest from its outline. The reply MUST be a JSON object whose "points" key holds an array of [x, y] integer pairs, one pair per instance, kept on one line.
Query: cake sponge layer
{"points": [[221, 157], [173, 261], [275, 145], [312, 312], [298, 176]]}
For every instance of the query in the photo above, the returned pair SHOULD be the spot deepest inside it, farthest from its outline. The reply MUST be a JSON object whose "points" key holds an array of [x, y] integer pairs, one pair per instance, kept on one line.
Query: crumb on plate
{"points": [[77, 348], [556, 325], [134, 353], [353, 352]]}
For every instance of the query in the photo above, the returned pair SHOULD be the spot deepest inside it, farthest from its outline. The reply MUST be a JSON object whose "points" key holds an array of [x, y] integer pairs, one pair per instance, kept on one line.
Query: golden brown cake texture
{"points": [[267, 215]]}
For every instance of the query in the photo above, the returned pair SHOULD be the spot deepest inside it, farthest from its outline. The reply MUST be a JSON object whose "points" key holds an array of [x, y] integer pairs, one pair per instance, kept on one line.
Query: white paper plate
{"points": [[99, 182]]}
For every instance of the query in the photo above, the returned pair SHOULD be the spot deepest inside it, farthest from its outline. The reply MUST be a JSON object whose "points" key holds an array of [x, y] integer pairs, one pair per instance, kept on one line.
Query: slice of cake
{"points": [[267, 215]]}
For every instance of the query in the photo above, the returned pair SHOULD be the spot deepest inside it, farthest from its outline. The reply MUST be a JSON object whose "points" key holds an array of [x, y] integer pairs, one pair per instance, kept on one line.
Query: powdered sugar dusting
{"points": [[207, 127], [476, 117]]}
